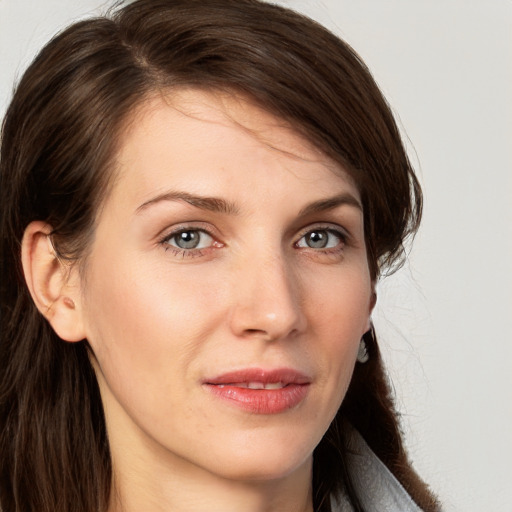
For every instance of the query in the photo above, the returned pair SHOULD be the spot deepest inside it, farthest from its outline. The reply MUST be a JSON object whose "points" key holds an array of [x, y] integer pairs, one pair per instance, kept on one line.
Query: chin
{"points": [[264, 470], [264, 458]]}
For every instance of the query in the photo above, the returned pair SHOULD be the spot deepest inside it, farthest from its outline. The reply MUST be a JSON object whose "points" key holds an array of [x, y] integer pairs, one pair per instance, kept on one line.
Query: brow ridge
{"points": [[214, 204], [330, 203], [219, 205]]}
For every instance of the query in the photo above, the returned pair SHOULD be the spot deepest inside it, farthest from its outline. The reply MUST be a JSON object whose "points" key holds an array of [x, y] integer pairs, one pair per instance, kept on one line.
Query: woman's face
{"points": [[226, 290]]}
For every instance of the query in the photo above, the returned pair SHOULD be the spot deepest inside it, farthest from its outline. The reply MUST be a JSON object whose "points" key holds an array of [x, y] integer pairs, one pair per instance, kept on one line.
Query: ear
{"points": [[53, 284]]}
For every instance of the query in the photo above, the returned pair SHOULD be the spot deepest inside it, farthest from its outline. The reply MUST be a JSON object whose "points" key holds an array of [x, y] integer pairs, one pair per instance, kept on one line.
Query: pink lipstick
{"points": [[261, 391]]}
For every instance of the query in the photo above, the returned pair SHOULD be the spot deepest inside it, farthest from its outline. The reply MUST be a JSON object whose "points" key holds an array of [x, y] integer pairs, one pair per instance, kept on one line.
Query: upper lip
{"points": [[283, 375]]}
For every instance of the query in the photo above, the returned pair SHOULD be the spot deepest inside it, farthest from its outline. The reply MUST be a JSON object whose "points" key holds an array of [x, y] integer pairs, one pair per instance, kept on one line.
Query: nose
{"points": [[267, 300]]}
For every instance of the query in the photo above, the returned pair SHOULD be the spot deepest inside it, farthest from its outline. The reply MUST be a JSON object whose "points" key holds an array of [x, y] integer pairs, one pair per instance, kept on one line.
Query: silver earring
{"points": [[362, 353]]}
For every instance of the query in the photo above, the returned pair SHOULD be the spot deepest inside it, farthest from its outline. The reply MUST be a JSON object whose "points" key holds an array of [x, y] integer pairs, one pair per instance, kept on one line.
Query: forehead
{"points": [[210, 139]]}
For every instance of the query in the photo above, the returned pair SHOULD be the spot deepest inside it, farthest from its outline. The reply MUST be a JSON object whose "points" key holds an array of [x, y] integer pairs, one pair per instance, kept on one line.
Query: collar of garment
{"points": [[377, 488]]}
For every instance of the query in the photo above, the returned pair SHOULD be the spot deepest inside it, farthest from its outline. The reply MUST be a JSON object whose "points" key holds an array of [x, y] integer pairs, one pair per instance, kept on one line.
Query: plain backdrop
{"points": [[445, 320]]}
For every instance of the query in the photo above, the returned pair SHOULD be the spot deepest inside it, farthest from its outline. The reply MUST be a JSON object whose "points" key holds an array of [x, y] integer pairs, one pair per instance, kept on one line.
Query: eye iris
{"points": [[187, 239], [317, 239]]}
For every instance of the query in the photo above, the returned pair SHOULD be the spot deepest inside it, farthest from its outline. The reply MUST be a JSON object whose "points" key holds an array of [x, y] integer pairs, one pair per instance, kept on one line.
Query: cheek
{"points": [[340, 303], [146, 322], [338, 310], [147, 330]]}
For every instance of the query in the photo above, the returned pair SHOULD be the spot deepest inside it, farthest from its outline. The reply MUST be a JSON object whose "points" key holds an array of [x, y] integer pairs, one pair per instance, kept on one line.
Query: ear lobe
{"points": [[53, 284]]}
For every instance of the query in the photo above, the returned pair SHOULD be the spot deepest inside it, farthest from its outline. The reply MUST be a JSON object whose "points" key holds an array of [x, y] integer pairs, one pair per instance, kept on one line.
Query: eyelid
{"points": [[333, 253], [209, 242], [167, 234], [325, 226], [173, 230]]}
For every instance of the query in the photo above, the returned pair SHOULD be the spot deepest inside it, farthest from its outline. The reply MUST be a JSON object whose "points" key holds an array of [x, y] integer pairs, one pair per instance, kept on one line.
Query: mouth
{"points": [[260, 391], [255, 385]]}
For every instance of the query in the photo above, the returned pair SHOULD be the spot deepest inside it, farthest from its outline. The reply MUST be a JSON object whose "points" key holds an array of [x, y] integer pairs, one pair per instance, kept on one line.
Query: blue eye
{"points": [[188, 239], [321, 239]]}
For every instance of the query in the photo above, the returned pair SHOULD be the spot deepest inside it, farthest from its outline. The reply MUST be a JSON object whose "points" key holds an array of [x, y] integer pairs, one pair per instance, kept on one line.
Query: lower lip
{"points": [[262, 401]]}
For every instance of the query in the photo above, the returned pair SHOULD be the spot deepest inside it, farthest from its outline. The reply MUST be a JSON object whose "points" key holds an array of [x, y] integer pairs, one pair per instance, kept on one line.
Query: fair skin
{"points": [[227, 244]]}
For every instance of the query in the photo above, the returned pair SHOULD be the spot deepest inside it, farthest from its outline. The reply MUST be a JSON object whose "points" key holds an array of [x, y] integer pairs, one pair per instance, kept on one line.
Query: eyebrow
{"points": [[331, 203], [216, 204], [213, 204]]}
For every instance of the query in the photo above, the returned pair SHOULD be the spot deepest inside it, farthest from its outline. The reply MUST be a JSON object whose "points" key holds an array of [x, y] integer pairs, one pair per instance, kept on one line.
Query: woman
{"points": [[205, 194]]}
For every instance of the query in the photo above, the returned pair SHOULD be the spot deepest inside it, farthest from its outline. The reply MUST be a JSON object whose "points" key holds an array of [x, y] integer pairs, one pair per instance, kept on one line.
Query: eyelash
{"points": [[329, 251], [194, 252]]}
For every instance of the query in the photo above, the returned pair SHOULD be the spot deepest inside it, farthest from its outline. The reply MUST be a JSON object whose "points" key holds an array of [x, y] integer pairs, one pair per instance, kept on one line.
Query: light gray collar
{"points": [[377, 488]]}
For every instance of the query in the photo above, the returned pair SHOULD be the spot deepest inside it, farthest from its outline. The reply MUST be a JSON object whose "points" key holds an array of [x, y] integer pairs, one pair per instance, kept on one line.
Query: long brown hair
{"points": [[59, 141]]}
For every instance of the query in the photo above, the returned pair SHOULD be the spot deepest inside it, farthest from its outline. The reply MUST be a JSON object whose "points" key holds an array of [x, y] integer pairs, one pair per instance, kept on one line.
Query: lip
{"points": [[233, 388]]}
